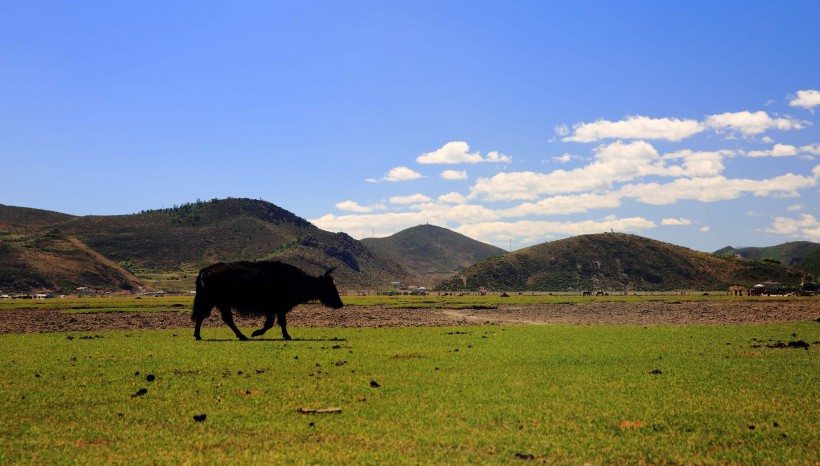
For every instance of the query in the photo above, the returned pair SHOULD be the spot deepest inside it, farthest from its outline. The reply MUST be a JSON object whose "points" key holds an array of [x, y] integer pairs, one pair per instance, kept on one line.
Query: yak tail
{"points": [[202, 306]]}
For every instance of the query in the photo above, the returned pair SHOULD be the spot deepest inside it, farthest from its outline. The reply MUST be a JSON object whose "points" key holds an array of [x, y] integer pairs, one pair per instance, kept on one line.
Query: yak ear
{"points": [[327, 274]]}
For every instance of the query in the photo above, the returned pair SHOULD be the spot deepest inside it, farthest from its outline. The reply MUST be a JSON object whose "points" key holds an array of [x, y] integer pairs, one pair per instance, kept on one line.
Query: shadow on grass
{"points": [[223, 340]]}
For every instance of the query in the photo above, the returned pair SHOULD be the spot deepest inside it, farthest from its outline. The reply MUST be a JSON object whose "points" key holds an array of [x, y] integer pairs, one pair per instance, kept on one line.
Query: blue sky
{"points": [[515, 123]]}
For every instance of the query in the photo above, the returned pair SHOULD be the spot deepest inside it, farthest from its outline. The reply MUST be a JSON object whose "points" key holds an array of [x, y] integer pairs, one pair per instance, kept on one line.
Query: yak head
{"points": [[328, 294]]}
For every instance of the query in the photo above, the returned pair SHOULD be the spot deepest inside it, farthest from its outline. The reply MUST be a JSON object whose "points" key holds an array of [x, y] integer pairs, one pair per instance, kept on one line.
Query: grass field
{"points": [[184, 302], [555, 394]]}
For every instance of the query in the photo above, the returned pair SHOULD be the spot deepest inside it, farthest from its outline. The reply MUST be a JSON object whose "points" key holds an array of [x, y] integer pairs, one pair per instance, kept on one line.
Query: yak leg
{"points": [[268, 324], [199, 319], [227, 317], [283, 323]]}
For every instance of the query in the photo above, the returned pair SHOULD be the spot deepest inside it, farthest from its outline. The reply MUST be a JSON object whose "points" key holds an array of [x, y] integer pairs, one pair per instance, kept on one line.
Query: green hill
{"points": [[432, 253], [810, 263], [52, 261], [791, 253], [618, 263], [173, 243]]}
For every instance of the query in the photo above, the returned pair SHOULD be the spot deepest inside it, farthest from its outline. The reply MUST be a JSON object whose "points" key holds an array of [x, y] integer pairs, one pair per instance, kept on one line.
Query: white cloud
{"points": [[636, 127], [529, 231], [411, 199], [363, 225], [562, 158], [807, 99], [779, 150], [813, 149], [351, 206], [716, 188], [453, 198], [564, 205], [458, 152], [561, 130], [794, 208], [805, 227], [694, 164], [705, 229], [676, 221], [750, 123], [616, 162], [397, 174], [454, 175]]}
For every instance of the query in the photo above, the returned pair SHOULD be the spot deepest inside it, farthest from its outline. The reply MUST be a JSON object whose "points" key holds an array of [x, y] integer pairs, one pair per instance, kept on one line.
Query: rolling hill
{"points": [[432, 253], [810, 263], [615, 262], [163, 249], [43, 250], [791, 253]]}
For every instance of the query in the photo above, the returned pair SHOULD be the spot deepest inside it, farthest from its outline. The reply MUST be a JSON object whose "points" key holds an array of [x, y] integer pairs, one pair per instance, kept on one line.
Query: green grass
{"points": [[492, 301], [96, 305], [564, 394]]}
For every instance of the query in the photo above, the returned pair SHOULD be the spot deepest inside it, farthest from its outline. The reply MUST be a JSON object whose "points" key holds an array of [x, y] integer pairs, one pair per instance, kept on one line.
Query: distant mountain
{"points": [[110, 252], [433, 253], [791, 253], [810, 263], [615, 262], [50, 260], [24, 218]]}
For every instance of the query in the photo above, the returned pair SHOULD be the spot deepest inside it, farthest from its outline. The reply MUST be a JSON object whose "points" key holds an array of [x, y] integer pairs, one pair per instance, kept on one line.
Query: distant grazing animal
{"points": [[265, 288]]}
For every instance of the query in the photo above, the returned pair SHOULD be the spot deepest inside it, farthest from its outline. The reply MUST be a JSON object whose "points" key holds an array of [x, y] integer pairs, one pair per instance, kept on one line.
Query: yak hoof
{"points": [[242, 337], [256, 333]]}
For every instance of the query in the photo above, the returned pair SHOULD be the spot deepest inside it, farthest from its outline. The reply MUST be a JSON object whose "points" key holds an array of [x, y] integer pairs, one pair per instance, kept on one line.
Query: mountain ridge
{"points": [[615, 262], [434, 253], [163, 249]]}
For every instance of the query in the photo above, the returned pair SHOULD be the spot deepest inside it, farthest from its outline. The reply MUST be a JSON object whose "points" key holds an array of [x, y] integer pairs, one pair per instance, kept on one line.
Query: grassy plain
{"points": [[491, 301], [555, 394]]}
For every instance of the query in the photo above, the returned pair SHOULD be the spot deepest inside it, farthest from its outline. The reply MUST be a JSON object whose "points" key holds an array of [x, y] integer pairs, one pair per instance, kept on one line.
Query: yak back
{"points": [[256, 288]]}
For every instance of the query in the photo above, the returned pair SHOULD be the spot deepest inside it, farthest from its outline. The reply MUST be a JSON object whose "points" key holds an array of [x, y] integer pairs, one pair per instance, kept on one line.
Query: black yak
{"points": [[266, 288]]}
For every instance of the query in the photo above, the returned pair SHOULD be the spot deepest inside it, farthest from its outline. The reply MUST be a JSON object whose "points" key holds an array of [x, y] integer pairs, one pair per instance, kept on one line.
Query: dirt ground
{"points": [[593, 313]]}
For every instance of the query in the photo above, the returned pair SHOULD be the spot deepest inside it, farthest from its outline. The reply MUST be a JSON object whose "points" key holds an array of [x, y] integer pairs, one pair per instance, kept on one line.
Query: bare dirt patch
{"points": [[312, 315]]}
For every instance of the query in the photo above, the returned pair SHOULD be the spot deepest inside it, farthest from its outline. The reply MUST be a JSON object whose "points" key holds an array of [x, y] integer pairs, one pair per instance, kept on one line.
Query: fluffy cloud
{"points": [[564, 205], [411, 199], [716, 188], [813, 149], [805, 226], [616, 162], [750, 123], [453, 198], [387, 223], [637, 127], [454, 175], [351, 206], [529, 231], [697, 163], [459, 152], [779, 150], [397, 174], [676, 221], [807, 99]]}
